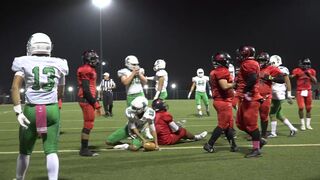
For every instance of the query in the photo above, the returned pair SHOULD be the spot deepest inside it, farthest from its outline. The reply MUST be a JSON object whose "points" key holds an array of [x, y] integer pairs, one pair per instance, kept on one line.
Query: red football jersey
{"points": [[163, 129], [265, 87], [86, 72], [247, 67], [217, 92], [303, 81]]}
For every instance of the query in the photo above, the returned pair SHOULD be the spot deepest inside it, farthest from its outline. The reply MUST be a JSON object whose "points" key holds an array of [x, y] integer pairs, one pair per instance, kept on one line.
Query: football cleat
{"points": [[272, 135], [303, 127], [87, 152], [210, 149], [201, 135], [253, 153], [309, 127], [293, 132], [234, 148], [208, 113], [263, 142]]}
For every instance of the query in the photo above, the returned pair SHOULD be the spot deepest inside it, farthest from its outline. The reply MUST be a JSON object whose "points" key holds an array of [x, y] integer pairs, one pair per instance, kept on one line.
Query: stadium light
{"points": [[101, 4], [146, 86], [70, 89], [22, 90], [173, 86]]}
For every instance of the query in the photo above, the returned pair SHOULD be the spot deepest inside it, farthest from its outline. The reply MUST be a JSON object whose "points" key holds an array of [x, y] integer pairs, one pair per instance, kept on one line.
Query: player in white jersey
{"points": [[161, 79], [139, 116], [44, 78], [278, 97], [133, 78], [200, 84]]}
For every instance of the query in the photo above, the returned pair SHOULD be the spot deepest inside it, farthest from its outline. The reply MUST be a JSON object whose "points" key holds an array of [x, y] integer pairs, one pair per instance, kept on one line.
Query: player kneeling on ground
{"points": [[169, 132], [139, 115]]}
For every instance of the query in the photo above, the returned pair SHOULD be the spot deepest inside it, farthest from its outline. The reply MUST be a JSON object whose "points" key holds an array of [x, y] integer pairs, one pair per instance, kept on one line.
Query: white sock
{"points": [[302, 122], [308, 121], [287, 123], [274, 127], [22, 166], [53, 166], [121, 146]]}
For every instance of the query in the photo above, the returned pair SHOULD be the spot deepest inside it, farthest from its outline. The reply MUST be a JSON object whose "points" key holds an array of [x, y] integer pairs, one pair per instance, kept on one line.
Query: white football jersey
{"points": [[162, 73], [135, 86], [41, 75], [279, 90], [201, 83], [139, 123]]}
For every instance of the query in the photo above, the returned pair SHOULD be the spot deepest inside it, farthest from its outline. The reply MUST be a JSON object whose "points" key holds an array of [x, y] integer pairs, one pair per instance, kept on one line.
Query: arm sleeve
{"points": [[250, 81], [86, 92], [173, 126]]}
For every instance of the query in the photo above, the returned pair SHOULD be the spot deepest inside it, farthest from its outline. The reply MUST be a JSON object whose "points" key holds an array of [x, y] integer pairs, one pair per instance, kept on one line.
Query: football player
{"points": [[305, 76], [44, 79], [168, 131], [249, 98], [139, 116], [200, 84], [133, 78], [279, 91], [222, 90], [268, 75], [87, 96], [161, 79]]}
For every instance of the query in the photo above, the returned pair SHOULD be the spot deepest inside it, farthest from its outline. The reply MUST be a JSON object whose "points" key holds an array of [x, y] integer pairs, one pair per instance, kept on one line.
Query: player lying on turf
{"points": [[139, 115]]}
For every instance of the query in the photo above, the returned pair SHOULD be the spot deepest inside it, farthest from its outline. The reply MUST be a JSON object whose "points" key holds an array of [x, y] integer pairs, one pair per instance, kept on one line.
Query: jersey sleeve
{"points": [[161, 73], [194, 79], [313, 72], [17, 65], [122, 72], [275, 71], [63, 66], [295, 72], [284, 70], [85, 74], [149, 115], [222, 74]]}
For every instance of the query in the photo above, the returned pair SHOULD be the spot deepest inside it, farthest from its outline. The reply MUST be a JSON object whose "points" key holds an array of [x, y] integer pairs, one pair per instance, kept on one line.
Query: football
{"points": [[149, 146]]}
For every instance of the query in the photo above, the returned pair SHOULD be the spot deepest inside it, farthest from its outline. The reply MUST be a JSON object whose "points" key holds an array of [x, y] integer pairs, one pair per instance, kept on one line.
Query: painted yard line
{"points": [[170, 148]]}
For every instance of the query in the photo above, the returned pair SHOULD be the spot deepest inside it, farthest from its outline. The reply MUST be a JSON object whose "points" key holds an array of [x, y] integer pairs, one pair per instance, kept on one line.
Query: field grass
{"points": [[283, 158]]}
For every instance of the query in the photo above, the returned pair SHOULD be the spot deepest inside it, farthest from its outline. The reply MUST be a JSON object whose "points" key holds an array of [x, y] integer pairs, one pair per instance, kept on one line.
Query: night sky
{"points": [[185, 33]]}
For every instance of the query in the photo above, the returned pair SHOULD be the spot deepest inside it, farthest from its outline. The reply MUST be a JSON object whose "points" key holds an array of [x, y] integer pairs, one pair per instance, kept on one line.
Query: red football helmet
{"points": [[90, 57], [263, 58], [221, 59], [305, 63], [245, 52]]}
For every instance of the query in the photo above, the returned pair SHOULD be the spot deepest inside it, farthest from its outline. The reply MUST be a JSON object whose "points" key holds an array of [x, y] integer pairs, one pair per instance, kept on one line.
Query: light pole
{"points": [[70, 90], [173, 87], [101, 4]]}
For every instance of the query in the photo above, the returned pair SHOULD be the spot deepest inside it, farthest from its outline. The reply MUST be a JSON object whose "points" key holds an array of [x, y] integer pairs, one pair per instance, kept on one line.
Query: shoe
{"points": [[253, 153], [200, 113], [201, 135], [210, 149], [121, 146], [263, 142], [272, 135], [293, 132], [309, 127], [181, 123], [110, 114], [208, 113], [303, 127], [87, 152], [234, 149]]}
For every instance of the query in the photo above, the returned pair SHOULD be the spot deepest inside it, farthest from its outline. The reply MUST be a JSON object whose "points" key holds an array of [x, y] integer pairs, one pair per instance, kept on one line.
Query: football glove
{"points": [[189, 95], [23, 121]]}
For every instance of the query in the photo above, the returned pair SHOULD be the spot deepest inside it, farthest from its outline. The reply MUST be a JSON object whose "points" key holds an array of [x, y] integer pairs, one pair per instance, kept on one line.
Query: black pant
{"points": [[108, 102]]}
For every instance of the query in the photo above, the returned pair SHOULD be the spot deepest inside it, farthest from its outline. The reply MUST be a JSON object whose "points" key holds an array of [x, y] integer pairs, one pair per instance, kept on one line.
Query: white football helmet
{"points": [[159, 64], [139, 104], [39, 43], [200, 72], [131, 62], [275, 60]]}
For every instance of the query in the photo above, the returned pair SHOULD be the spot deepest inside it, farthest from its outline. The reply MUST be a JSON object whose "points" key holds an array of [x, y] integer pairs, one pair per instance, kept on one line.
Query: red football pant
{"points": [[173, 138], [304, 101], [265, 109], [88, 115], [224, 112], [247, 115]]}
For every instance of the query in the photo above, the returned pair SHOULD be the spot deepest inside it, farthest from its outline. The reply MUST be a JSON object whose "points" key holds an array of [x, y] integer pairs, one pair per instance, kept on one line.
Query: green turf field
{"points": [[283, 158]]}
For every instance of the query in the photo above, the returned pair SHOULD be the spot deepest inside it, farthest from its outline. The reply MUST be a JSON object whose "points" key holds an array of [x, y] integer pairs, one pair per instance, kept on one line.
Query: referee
{"points": [[106, 87]]}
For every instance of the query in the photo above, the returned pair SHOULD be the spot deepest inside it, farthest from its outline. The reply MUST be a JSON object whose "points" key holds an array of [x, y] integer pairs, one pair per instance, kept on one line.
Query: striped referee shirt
{"points": [[107, 85]]}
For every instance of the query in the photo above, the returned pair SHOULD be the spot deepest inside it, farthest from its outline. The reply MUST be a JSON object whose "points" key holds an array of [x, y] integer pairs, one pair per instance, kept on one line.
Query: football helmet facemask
{"points": [[139, 104], [221, 59], [305, 63], [131, 62], [275, 60], [90, 57], [264, 59], [245, 52], [159, 64], [200, 72], [159, 105], [39, 43]]}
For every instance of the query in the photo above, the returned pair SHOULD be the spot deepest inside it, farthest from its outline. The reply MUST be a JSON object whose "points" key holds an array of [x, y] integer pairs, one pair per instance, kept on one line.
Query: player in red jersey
{"points": [[86, 77], [249, 98], [168, 131], [305, 76], [222, 93], [268, 75]]}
